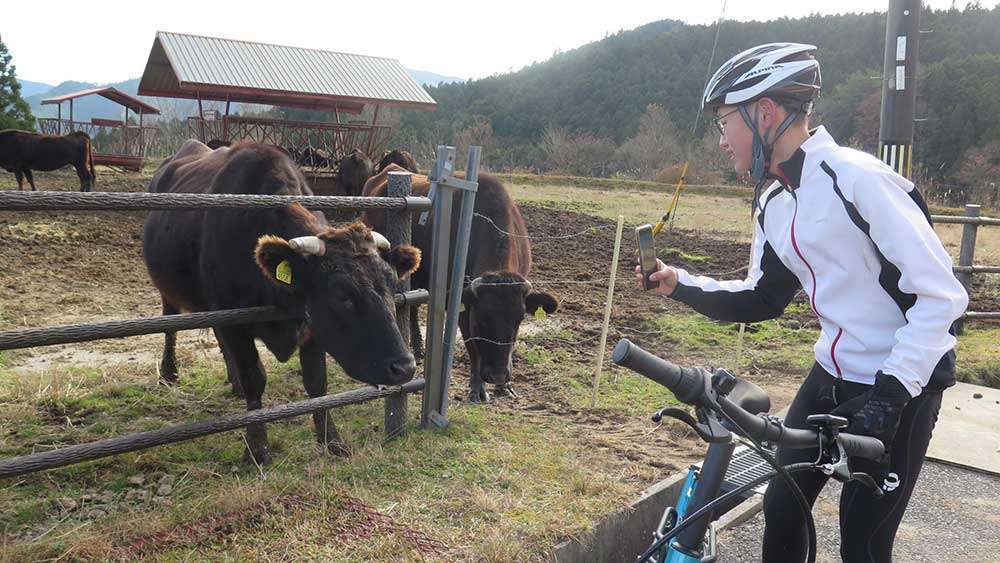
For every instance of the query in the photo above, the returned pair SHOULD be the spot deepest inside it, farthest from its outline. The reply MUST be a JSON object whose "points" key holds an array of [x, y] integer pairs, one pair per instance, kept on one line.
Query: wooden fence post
{"points": [[398, 225], [966, 255]]}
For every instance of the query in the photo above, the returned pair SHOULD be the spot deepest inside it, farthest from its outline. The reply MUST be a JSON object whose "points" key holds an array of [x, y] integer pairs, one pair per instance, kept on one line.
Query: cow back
{"points": [[498, 239]]}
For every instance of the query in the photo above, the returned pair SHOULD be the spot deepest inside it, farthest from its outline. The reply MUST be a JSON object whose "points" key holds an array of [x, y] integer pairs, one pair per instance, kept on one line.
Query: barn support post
{"points": [[441, 201], [397, 230], [125, 133], [201, 119], [225, 122], [59, 118], [371, 131], [71, 126], [966, 255], [141, 152]]}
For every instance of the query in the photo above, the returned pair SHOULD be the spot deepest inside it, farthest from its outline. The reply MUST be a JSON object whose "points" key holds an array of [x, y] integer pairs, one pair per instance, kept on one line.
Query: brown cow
{"points": [[24, 151], [353, 170], [332, 280], [399, 157], [497, 294]]}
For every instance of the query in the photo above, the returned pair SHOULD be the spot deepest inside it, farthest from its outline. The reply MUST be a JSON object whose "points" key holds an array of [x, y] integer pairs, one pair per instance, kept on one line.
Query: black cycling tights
{"points": [[867, 523]]}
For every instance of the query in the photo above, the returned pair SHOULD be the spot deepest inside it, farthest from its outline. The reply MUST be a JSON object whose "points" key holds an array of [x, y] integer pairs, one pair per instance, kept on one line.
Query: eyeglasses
{"points": [[718, 121]]}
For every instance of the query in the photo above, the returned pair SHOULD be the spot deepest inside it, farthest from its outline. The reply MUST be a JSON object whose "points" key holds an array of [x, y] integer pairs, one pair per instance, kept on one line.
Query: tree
{"points": [[654, 144], [14, 111]]}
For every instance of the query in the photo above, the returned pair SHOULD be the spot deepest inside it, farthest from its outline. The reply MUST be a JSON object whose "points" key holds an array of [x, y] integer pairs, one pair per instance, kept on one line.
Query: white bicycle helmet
{"points": [[786, 72]]}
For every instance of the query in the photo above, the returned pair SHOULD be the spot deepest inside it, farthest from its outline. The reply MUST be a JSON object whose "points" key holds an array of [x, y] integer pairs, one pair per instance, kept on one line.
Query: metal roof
{"points": [[113, 94], [192, 66]]}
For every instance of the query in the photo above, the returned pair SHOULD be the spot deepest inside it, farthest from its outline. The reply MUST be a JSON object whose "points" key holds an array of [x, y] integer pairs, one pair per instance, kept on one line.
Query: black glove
{"points": [[876, 413]]}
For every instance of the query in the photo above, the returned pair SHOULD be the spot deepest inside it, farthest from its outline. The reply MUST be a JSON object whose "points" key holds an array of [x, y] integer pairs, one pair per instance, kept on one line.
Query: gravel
{"points": [[954, 515]]}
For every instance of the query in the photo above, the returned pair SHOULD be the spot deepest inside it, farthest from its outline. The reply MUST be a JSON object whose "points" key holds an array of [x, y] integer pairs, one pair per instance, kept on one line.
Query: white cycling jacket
{"points": [[856, 237]]}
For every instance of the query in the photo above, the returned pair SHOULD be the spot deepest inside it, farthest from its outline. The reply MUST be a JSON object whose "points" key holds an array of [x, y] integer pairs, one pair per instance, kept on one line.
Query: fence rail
{"points": [[107, 201], [182, 432], [48, 336], [399, 210], [967, 251]]}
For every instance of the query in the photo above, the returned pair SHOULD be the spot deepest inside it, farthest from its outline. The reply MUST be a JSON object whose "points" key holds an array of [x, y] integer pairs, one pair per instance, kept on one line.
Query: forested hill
{"points": [[604, 88]]}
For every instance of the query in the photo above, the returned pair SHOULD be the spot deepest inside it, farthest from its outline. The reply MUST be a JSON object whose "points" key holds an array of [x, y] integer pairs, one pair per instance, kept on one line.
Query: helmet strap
{"points": [[761, 150]]}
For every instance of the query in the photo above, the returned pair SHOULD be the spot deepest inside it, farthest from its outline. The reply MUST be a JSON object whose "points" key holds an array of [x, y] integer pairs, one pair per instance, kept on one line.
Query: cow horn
{"points": [[381, 242], [527, 287], [308, 246], [474, 284]]}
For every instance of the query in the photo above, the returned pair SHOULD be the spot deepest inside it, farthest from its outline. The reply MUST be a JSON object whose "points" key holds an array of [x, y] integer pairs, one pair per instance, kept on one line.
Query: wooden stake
{"points": [[607, 310]]}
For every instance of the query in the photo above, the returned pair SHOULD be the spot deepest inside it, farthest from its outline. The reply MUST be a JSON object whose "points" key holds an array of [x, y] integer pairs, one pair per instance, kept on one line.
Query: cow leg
{"points": [[416, 339], [20, 178], [31, 179], [477, 388], [84, 175], [168, 364], [313, 360], [232, 370], [239, 343]]}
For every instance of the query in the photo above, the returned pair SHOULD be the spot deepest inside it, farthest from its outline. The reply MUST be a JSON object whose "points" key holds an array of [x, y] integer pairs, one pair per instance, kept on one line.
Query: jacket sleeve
{"points": [[930, 296], [764, 294]]}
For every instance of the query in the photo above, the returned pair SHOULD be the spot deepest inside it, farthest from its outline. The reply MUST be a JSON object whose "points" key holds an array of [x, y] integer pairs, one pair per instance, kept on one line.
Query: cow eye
{"points": [[346, 304]]}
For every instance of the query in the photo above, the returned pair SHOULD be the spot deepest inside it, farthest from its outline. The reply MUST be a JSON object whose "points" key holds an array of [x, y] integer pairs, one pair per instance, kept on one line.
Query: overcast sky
{"points": [[109, 41]]}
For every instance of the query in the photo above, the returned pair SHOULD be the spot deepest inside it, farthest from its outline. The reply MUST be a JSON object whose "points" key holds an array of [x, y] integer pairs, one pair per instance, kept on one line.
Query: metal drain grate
{"points": [[744, 467]]}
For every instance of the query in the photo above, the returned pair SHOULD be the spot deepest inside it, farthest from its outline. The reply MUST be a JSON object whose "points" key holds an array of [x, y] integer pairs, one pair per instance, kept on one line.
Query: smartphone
{"points": [[647, 254]]}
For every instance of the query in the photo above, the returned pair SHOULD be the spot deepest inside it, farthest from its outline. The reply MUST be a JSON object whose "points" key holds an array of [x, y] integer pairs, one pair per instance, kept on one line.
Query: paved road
{"points": [[954, 515]]}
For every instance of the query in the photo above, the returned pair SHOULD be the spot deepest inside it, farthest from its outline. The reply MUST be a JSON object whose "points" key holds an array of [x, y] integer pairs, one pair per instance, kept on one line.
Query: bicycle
{"points": [[726, 405]]}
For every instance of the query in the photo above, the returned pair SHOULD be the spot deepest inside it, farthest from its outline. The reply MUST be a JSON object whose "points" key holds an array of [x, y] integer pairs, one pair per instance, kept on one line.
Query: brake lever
{"points": [[708, 429], [841, 471]]}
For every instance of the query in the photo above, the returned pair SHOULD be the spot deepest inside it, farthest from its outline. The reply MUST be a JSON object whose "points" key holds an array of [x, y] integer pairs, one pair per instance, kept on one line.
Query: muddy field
{"points": [[64, 268]]}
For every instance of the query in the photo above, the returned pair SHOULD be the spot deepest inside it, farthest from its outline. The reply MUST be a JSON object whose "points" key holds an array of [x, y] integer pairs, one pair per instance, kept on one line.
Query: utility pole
{"points": [[899, 85]]}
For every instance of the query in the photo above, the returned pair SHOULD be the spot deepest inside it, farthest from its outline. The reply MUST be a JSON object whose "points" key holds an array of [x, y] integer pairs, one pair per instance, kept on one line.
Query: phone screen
{"points": [[647, 253]]}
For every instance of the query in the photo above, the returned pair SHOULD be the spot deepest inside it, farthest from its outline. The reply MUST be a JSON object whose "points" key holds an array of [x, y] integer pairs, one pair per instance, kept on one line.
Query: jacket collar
{"points": [[791, 169]]}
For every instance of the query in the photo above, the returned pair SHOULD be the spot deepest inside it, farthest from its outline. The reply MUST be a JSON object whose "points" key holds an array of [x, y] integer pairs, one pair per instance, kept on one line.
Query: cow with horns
{"points": [[336, 283], [497, 294]]}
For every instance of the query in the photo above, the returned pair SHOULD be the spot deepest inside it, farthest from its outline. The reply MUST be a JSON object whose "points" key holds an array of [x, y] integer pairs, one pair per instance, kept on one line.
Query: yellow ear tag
{"points": [[461, 307], [540, 313], [284, 272]]}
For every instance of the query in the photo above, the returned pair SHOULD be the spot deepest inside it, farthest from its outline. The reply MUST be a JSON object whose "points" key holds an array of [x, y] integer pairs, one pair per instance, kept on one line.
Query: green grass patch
{"points": [[978, 362], [622, 184], [771, 344], [670, 254]]}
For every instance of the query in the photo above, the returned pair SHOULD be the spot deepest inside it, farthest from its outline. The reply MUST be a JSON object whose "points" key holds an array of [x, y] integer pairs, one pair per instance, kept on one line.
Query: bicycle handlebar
{"points": [[693, 386]]}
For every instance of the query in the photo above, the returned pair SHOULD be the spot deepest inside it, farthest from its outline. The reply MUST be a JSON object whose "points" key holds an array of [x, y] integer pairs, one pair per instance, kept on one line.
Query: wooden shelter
{"points": [[116, 142], [224, 70]]}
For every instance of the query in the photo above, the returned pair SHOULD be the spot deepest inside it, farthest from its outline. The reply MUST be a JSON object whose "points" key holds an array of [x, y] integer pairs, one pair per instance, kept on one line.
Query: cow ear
{"points": [[537, 299], [281, 264], [405, 259]]}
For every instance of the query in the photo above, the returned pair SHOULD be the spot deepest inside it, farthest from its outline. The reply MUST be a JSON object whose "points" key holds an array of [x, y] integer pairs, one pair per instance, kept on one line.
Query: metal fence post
{"points": [[398, 227], [966, 255], [457, 280], [440, 249]]}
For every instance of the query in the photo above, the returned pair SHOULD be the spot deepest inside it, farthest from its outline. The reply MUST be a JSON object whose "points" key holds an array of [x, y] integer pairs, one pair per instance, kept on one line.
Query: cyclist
{"points": [[856, 238]]}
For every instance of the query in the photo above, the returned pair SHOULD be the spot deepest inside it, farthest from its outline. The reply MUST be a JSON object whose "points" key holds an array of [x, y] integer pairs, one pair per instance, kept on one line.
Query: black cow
{"points": [[24, 151], [497, 294], [333, 280]]}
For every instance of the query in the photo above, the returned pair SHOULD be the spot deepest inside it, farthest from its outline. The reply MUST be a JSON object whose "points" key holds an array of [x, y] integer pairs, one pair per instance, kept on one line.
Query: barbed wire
{"points": [[588, 230]]}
